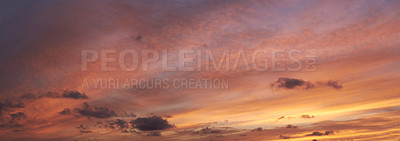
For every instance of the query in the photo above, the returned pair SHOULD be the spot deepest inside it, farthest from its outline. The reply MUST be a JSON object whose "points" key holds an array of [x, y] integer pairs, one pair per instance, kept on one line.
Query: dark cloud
{"points": [[10, 104], [315, 134], [118, 124], [83, 129], [259, 129], [329, 132], [74, 95], [292, 83], [307, 116], [321, 134], [28, 96], [288, 83], [290, 126], [50, 95], [19, 101], [65, 94], [66, 111], [334, 84], [139, 37], [151, 123], [97, 112], [17, 116], [121, 123], [15, 121]]}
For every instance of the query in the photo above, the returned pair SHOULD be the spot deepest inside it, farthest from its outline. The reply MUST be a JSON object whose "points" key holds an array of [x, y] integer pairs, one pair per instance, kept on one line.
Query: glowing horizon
{"points": [[200, 70]]}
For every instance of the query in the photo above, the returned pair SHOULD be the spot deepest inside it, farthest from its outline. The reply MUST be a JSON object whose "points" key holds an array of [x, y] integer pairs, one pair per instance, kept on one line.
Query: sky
{"points": [[59, 83]]}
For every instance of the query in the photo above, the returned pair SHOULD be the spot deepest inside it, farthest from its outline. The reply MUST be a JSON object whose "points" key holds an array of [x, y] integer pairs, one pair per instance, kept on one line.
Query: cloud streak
{"points": [[97, 112], [293, 83]]}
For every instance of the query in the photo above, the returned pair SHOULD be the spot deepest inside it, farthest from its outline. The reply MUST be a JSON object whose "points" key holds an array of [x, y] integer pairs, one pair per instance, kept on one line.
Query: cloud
{"points": [[288, 83], [20, 101], [315, 134], [151, 123], [15, 120], [329, 132], [291, 126], [10, 104], [321, 134], [139, 37], [50, 95], [65, 94], [258, 129], [334, 84], [31, 96], [39, 69], [119, 123], [292, 83], [66, 111], [97, 112], [28, 96], [83, 130], [17, 116], [74, 95], [208, 131], [307, 116]]}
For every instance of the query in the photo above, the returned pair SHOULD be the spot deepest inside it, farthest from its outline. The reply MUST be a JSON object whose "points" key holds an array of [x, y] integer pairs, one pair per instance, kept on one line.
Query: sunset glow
{"points": [[298, 70]]}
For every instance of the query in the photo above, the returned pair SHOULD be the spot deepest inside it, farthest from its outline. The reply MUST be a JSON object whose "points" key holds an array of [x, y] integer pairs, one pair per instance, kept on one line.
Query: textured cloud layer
{"points": [[356, 74]]}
